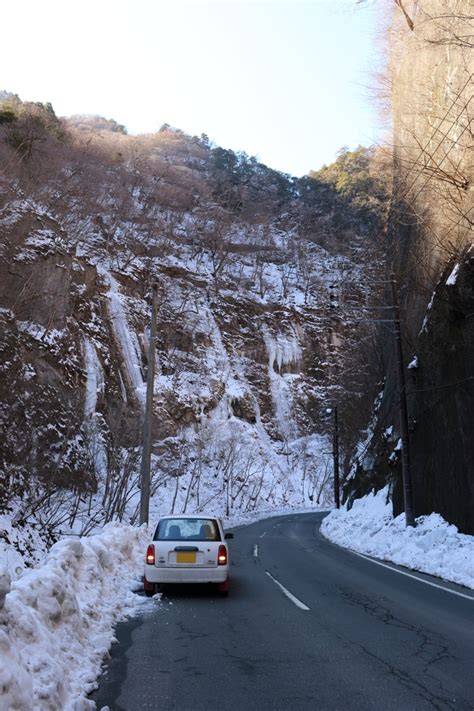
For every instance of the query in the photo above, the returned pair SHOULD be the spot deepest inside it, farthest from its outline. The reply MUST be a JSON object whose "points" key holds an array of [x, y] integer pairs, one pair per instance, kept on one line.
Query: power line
{"points": [[440, 387], [438, 129]]}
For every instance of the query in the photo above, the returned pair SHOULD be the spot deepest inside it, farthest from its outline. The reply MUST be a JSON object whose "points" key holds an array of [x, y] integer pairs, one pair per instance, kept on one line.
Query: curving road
{"points": [[307, 626]]}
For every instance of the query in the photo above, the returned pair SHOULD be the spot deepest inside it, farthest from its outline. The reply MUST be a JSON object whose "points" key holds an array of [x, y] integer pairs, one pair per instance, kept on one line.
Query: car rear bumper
{"points": [[186, 575]]}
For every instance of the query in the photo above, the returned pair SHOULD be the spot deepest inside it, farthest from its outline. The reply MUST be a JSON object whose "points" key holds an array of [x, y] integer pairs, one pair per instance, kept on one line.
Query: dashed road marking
{"points": [[263, 534], [255, 551], [288, 594]]}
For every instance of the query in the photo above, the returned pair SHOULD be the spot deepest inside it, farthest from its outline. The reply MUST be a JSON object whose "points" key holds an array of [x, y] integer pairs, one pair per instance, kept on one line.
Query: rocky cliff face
{"points": [[443, 399], [251, 336], [430, 240]]}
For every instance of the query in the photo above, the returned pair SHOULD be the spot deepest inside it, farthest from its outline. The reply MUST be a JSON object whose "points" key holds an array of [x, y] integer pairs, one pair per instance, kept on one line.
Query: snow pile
{"points": [[14, 539], [434, 546], [57, 620]]}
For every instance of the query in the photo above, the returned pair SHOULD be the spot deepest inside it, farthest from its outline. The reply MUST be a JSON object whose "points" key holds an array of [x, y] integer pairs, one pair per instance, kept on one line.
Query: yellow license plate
{"points": [[186, 557]]}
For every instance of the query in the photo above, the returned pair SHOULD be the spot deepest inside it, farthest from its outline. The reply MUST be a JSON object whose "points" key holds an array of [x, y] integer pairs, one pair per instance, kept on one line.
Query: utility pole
{"points": [[404, 432], [335, 454], [146, 451]]}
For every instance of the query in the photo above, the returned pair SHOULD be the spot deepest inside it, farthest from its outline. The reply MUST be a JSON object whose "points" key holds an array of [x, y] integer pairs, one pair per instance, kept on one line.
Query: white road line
{"points": [[263, 534], [286, 592], [409, 575], [255, 551]]}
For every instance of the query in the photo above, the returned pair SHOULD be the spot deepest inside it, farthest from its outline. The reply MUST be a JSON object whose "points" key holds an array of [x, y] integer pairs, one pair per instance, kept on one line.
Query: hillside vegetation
{"points": [[259, 276]]}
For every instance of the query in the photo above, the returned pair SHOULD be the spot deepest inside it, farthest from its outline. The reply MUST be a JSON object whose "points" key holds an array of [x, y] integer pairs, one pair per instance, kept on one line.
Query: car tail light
{"points": [[150, 555], [222, 556]]}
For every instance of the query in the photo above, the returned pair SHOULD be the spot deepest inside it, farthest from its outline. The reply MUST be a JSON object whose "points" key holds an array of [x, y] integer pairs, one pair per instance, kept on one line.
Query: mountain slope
{"points": [[252, 339]]}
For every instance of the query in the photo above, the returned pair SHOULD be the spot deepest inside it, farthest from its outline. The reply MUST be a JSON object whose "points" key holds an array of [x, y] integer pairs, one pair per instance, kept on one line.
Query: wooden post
{"points": [[146, 452], [335, 454], [403, 409]]}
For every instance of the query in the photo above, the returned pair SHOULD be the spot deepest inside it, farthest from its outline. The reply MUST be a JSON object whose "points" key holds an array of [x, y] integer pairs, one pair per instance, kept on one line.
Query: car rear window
{"points": [[187, 529]]}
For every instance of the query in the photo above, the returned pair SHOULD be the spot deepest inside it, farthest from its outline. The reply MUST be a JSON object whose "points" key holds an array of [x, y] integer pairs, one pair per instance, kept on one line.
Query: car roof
{"points": [[185, 515]]}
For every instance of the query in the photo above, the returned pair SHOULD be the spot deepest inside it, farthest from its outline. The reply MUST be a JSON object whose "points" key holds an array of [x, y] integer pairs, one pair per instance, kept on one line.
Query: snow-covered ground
{"points": [[57, 620], [434, 546]]}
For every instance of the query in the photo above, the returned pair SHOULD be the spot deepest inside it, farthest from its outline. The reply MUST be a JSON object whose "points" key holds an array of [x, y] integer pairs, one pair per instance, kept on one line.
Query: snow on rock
{"points": [[398, 448], [451, 280], [434, 546], [95, 384], [57, 621], [95, 377], [282, 350], [361, 454], [424, 325], [47, 336], [127, 339]]}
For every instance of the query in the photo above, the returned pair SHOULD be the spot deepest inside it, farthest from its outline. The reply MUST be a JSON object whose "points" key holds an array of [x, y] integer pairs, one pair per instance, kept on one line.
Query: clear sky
{"points": [[285, 80]]}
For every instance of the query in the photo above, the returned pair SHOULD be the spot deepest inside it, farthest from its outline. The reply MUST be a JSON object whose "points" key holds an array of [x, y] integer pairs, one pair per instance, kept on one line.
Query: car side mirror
{"points": [[228, 536]]}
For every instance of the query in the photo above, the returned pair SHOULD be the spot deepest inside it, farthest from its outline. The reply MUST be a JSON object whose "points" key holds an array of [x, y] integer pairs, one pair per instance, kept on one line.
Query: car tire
{"points": [[223, 588], [149, 588]]}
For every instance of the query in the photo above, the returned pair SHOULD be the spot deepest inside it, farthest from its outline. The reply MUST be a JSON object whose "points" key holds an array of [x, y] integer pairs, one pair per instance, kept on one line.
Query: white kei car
{"points": [[188, 549]]}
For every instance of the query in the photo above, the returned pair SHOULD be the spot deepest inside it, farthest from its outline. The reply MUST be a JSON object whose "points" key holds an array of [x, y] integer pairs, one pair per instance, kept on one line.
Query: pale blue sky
{"points": [[281, 79]]}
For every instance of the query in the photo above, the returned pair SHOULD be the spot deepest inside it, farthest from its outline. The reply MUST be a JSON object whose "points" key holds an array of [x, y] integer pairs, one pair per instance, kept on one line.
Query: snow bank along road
{"points": [[307, 625]]}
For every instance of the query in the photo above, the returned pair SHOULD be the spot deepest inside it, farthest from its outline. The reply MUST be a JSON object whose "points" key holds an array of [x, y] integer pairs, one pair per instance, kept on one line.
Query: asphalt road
{"points": [[342, 633]]}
